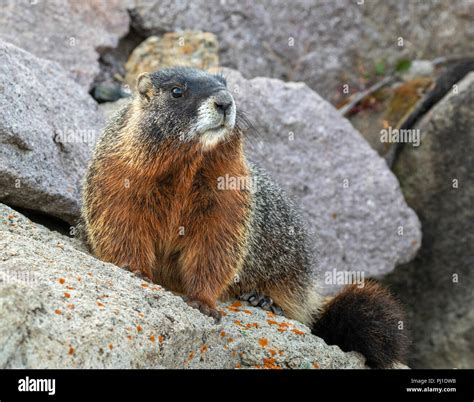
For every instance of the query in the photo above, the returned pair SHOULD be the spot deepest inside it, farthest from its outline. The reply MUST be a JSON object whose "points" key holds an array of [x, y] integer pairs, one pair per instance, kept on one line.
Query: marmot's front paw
{"points": [[205, 309], [259, 300]]}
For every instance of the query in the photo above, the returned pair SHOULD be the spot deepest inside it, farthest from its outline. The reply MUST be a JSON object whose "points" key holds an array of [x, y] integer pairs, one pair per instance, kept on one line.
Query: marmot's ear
{"points": [[145, 86]]}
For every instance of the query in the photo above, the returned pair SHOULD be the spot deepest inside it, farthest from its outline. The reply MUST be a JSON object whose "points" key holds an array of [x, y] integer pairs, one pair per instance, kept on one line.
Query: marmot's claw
{"points": [[205, 309], [259, 300], [276, 309]]}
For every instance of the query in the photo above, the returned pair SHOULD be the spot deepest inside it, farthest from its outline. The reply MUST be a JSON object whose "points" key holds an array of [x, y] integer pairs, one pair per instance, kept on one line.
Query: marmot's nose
{"points": [[223, 101]]}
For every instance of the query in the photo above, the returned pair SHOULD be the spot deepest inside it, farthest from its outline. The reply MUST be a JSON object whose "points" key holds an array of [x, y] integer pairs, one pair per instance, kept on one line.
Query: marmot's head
{"points": [[185, 104]]}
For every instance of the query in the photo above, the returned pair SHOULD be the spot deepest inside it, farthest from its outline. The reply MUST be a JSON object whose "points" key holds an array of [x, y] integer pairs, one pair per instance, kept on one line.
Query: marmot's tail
{"points": [[368, 320]]}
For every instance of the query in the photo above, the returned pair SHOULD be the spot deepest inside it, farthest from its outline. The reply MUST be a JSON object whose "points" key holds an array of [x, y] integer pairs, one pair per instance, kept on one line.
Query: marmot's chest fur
{"points": [[171, 206]]}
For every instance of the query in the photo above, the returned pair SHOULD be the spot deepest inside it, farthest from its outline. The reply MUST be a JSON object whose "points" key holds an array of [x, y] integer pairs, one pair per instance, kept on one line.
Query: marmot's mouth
{"points": [[216, 128], [214, 135]]}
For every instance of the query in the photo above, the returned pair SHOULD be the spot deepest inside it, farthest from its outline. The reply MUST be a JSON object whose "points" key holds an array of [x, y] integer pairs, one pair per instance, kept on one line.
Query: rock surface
{"points": [[62, 308], [349, 198], [70, 33], [188, 48], [324, 43], [437, 180], [48, 124]]}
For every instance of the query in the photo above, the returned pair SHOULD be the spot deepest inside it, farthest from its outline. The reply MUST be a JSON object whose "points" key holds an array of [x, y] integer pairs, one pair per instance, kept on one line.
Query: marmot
{"points": [[153, 202]]}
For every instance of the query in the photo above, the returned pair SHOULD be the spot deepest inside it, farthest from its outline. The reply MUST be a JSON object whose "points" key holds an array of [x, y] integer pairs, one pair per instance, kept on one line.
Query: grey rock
{"points": [[351, 201], [324, 43], [437, 287], [70, 33], [48, 124], [109, 108], [62, 308], [419, 68], [109, 92]]}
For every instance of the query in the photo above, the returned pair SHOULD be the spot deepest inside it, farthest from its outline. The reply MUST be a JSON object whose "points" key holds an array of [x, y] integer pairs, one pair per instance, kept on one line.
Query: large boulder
{"points": [[71, 33], [62, 308], [437, 179], [48, 125], [351, 201], [324, 43]]}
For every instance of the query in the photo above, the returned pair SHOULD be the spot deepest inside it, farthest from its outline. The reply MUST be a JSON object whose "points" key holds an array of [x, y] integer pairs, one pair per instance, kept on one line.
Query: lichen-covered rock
{"points": [[62, 308], [437, 180], [48, 125], [188, 48], [69, 32]]}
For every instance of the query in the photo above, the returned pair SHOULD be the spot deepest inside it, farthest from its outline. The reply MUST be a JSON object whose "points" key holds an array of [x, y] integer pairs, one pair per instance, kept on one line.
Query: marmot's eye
{"points": [[177, 92]]}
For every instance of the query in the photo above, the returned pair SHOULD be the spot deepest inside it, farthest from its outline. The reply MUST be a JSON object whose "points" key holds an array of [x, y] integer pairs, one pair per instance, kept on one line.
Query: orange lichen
{"points": [[273, 352], [79, 279], [190, 356], [237, 322], [111, 346], [235, 306], [71, 350], [248, 312], [297, 332], [263, 342], [152, 338], [57, 311], [139, 328], [100, 304], [144, 285], [252, 325], [230, 339], [161, 339], [315, 365], [222, 334], [70, 306], [69, 288], [61, 280], [203, 348], [67, 295], [269, 363], [237, 366]]}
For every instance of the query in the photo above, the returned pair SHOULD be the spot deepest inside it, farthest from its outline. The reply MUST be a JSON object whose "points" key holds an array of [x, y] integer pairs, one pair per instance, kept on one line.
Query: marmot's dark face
{"points": [[187, 104]]}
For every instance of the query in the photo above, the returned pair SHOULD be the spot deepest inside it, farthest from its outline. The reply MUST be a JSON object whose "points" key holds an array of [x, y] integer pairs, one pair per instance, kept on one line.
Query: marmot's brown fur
{"points": [[152, 203]]}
